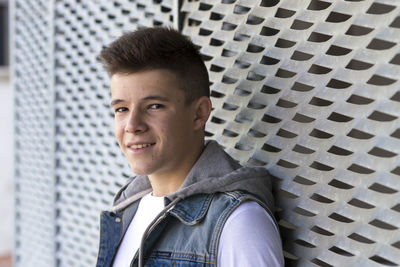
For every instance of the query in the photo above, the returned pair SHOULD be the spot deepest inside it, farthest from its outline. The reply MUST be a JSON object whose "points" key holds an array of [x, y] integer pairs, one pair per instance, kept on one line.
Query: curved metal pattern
{"points": [[34, 124], [307, 89], [310, 90], [91, 167]]}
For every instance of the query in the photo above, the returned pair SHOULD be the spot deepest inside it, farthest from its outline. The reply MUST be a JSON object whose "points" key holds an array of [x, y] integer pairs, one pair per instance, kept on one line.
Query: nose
{"points": [[135, 123]]}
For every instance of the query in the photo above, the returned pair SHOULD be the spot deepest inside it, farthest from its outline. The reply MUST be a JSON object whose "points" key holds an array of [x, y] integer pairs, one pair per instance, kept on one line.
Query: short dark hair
{"points": [[159, 48]]}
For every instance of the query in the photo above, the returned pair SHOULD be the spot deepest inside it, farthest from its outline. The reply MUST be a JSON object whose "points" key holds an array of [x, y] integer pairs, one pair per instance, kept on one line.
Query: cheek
{"points": [[118, 131]]}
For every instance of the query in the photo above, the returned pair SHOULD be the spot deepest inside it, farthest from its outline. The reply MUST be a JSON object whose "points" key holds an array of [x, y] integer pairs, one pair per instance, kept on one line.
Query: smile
{"points": [[138, 146]]}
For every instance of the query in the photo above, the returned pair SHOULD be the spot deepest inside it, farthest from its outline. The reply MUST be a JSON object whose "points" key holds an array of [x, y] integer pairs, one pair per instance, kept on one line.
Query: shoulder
{"points": [[250, 237]]}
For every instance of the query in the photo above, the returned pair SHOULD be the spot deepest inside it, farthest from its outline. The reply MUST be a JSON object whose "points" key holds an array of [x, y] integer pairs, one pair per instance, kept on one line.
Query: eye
{"points": [[155, 106], [120, 110]]}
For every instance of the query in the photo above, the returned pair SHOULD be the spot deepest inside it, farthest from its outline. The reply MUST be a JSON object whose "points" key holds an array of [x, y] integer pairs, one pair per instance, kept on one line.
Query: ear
{"points": [[203, 108]]}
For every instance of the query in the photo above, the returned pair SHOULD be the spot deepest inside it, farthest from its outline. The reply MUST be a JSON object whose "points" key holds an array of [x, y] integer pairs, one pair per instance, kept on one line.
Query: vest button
{"points": [[117, 220]]}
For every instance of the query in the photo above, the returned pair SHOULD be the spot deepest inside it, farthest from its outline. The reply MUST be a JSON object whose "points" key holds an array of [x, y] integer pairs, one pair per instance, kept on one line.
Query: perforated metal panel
{"points": [[310, 90], [34, 133], [307, 89], [75, 150]]}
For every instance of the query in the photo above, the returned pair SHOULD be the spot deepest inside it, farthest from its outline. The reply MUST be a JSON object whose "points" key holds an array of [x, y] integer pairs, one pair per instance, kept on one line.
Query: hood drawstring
{"points": [[151, 226]]}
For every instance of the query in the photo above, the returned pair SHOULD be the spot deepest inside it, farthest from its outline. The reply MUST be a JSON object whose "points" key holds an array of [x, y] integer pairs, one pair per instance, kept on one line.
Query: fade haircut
{"points": [[159, 48]]}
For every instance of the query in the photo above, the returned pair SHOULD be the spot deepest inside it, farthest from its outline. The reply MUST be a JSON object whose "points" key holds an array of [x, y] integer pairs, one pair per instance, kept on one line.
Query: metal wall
{"points": [[308, 89]]}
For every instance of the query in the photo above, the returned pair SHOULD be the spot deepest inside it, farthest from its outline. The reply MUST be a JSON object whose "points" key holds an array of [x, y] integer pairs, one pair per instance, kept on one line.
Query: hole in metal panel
{"points": [[304, 243], [229, 133], [360, 204], [359, 100], [340, 218], [304, 212], [252, 48], [239, 9], [360, 169], [318, 37], [396, 171], [285, 103], [380, 116], [382, 261], [341, 252], [286, 164], [254, 133], [379, 8], [320, 263], [318, 69], [284, 73], [320, 134], [380, 80], [269, 60], [358, 65], [319, 102], [396, 134], [361, 239], [228, 106], [267, 31], [321, 231], [320, 198], [254, 20], [359, 134], [302, 118], [301, 56], [383, 225], [380, 152], [335, 50], [339, 151], [318, 5], [302, 149], [357, 30], [396, 97], [300, 25], [334, 116], [269, 90], [336, 17], [285, 134], [301, 87], [395, 23], [379, 44], [270, 119], [382, 189], [269, 3], [284, 13], [338, 84], [302, 180], [271, 148], [321, 167], [283, 43], [226, 26]]}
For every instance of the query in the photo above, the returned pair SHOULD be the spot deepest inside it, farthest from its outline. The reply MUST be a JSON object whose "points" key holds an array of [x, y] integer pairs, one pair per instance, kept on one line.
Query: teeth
{"points": [[140, 146]]}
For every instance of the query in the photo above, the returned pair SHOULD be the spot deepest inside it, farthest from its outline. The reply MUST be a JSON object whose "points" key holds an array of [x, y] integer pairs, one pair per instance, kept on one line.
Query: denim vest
{"points": [[188, 235]]}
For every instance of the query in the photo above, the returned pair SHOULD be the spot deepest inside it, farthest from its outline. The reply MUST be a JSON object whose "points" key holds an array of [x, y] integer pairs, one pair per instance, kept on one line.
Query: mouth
{"points": [[140, 146]]}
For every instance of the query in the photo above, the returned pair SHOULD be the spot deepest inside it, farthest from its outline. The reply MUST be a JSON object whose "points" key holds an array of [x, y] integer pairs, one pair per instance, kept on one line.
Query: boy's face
{"points": [[154, 127]]}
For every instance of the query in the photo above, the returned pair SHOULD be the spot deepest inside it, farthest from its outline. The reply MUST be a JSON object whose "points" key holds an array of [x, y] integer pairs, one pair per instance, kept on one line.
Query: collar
{"points": [[192, 210]]}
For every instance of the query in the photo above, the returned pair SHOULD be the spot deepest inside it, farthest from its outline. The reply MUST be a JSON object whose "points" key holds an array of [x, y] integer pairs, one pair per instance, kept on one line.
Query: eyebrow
{"points": [[150, 97]]}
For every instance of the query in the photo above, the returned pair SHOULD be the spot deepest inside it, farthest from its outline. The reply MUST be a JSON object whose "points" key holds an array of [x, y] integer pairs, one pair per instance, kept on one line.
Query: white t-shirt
{"points": [[249, 237], [149, 207]]}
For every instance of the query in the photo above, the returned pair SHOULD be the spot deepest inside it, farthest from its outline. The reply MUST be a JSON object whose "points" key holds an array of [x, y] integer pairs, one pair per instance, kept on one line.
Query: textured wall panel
{"points": [[307, 89], [34, 133], [90, 167], [310, 90]]}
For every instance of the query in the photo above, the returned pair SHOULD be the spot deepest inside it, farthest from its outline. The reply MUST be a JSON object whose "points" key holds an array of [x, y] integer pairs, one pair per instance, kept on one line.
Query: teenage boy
{"points": [[190, 203]]}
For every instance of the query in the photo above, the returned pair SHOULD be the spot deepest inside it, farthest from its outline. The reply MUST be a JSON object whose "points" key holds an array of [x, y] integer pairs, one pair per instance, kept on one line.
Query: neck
{"points": [[166, 183]]}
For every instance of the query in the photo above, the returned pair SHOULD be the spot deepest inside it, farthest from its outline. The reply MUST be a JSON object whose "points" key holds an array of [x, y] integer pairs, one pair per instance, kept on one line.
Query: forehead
{"points": [[140, 84]]}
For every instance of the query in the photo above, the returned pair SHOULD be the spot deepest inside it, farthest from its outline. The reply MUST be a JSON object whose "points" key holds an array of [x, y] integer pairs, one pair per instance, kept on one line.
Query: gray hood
{"points": [[215, 171]]}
